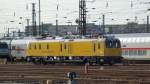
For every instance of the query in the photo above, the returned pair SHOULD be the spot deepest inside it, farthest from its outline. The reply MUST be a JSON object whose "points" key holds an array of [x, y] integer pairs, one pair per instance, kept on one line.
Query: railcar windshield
{"points": [[3, 45], [112, 43], [117, 43]]}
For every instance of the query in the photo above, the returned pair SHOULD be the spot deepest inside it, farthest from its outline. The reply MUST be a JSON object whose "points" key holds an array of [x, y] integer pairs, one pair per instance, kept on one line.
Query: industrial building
{"points": [[92, 29]]}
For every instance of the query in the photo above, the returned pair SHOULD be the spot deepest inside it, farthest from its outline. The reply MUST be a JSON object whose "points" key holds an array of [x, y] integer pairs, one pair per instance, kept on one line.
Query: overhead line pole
{"points": [[147, 24], [56, 33], [34, 30], [39, 17], [82, 17], [103, 20]]}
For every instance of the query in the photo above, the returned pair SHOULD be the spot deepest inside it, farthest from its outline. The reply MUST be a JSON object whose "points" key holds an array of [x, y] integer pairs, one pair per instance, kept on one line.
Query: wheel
{"points": [[101, 62], [111, 62]]}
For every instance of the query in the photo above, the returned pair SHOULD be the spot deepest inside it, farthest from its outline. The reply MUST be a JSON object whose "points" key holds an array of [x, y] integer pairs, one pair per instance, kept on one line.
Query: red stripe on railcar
{"points": [[19, 49], [135, 48]]}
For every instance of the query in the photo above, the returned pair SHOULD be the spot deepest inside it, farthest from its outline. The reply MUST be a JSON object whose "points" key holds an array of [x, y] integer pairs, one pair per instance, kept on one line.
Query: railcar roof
{"points": [[66, 40], [134, 39], [131, 35]]}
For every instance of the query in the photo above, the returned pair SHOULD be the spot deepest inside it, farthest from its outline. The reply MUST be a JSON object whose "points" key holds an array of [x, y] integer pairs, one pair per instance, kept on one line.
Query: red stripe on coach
{"points": [[135, 48]]}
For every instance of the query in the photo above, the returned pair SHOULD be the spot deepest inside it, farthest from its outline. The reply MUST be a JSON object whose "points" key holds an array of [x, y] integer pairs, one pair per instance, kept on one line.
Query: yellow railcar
{"points": [[99, 51]]}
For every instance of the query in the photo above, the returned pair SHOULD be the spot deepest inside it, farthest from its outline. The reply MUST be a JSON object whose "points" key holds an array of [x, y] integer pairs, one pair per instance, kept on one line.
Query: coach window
{"points": [[130, 52], [135, 52], [13, 47], [145, 52], [123, 53], [127, 52], [139, 52], [142, 52]]}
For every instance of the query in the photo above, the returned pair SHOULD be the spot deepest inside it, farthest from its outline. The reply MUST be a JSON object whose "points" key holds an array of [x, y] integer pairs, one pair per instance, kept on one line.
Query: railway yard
{"points": [[57, 74]]}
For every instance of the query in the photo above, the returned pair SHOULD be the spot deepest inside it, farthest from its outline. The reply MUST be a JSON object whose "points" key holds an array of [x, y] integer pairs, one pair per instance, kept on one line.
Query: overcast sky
{"points": [[116, 11]]}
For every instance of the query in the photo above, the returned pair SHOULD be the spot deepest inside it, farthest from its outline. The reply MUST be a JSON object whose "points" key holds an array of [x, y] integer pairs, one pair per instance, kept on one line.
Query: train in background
{"points": [[94, 51], [136, 49], [4, 50]]}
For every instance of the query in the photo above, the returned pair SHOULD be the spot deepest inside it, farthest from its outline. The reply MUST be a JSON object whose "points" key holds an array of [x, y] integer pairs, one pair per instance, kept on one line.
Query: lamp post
{"points": [[8, 30]]}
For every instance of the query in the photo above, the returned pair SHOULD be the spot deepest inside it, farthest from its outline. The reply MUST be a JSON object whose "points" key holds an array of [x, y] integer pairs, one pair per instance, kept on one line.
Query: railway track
{"points": [[115, 74]]}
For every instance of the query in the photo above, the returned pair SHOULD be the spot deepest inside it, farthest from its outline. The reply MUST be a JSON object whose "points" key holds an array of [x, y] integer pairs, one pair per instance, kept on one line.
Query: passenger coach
{"points": [[136, 48]]}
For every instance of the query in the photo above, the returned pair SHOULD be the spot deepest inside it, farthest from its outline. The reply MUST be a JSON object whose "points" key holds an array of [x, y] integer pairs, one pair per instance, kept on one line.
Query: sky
{"points": [[116, 12]]}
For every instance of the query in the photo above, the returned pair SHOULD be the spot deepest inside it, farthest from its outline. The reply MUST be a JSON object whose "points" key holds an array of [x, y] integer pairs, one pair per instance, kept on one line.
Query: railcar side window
{"points": [[99, 45], [47, 46], [94, 47], [34, 46], [39, 46], [30, 46], [65, 46], [61, 47]]}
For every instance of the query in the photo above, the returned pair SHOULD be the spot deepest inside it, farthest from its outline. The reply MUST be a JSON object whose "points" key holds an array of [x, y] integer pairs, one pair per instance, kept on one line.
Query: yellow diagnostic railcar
{"points": [[99, 51]]}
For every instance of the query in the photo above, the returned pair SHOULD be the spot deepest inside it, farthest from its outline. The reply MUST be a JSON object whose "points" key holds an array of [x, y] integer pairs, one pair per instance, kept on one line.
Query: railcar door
{"points": [[64, 48], [99, 45], [81, 48]]}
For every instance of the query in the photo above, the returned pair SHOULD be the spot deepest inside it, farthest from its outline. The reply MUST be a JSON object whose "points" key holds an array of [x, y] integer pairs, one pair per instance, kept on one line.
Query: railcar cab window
{"points": [[117, 43], [112, 43], [109, 43]]}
